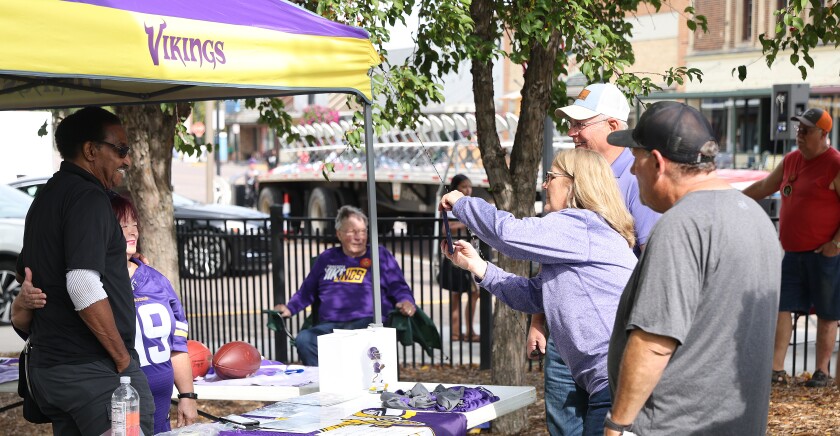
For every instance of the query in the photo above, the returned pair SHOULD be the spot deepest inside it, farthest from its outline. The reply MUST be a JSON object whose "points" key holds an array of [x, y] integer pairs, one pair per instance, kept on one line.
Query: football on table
{"points": [[236, 360], [200, 357]]}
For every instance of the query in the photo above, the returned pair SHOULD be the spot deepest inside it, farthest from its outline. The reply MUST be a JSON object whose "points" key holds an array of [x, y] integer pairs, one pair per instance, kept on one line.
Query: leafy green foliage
{"points": [[272, 113], [184, 140], [801, 26], [595, 38]]}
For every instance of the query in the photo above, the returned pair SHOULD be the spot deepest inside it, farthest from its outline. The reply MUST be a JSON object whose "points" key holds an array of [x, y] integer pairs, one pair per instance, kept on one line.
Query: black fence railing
{"points": [[419, 257], [232, 270], [225, 268]]}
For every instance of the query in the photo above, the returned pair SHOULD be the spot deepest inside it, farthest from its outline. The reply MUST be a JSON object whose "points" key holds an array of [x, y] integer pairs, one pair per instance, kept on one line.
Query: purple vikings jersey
{"points": [[161, 329], [344, 285]]}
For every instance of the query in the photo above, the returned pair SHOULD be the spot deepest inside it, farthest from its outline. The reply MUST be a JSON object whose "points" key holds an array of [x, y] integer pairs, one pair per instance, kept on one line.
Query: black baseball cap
{"points": [[676, 129]]}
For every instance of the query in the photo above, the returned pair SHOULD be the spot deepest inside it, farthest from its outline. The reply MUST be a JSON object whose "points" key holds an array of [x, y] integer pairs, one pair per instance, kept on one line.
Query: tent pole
{"points": [[374, 232]]}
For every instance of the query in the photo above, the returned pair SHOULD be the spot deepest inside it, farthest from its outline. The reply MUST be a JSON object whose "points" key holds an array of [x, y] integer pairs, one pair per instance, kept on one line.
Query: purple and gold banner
{"points": [[122, 51]]}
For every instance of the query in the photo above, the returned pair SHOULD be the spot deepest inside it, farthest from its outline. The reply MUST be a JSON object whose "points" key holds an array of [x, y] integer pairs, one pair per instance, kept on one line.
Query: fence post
{"points": [[278, 263], [485, 307]]}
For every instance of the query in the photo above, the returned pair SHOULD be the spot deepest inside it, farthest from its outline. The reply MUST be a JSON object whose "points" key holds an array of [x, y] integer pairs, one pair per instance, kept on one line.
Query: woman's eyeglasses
{"points": [[550, 175], [122, 150]]}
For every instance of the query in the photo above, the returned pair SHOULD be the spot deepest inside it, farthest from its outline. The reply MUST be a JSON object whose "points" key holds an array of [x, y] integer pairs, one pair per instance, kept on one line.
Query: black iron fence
{"points": [[231, 273], [300, 240], [225, 268], [233, 270]]}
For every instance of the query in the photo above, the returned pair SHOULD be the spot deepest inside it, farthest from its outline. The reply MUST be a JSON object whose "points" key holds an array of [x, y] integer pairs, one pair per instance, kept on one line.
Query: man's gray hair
{"points": [[622, 125], [710, 148], [345, 212]]}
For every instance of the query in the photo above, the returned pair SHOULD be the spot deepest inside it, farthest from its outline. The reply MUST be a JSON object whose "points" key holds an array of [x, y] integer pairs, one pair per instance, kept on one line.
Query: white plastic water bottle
{"points": [[125, 410]]}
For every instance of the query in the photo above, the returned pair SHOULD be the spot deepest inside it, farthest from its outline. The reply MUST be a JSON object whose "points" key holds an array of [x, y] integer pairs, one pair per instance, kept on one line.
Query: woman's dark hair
{"points": [[87, 124], [456, 180], [124, 209]]}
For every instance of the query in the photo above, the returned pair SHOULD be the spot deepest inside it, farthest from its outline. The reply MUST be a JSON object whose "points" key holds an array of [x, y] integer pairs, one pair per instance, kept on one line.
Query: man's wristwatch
{"points": [[836, 243], [190, 395], [610, 424]]}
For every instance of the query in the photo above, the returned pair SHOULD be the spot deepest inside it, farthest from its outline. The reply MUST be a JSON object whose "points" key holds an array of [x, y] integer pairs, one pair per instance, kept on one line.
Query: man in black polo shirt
{"points": [[83, 340]]}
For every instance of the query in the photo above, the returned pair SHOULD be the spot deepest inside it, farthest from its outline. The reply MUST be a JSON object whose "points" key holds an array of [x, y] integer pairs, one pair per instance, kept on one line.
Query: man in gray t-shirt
{"points": [[693, 336]]}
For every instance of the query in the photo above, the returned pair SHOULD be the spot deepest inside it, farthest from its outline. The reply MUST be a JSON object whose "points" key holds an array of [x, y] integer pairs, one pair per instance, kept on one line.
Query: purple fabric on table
{"points": [[442, 399], [454, 424], [267, 14], [471, 399], [262, 433], [9, 369], [474, 398], [262, 371]]}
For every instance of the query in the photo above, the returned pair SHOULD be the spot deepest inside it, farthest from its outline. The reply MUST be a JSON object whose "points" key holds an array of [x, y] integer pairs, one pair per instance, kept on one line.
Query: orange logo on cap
{"points": [[583, 94]]}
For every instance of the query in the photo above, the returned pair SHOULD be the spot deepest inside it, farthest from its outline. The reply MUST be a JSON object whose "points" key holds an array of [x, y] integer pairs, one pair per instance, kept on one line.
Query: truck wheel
{"points": [[322, 204], [346, 197], [269, 196]]}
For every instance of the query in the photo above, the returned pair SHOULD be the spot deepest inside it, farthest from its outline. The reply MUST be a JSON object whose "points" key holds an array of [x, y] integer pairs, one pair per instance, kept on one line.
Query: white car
{"points": [[13, 207]]}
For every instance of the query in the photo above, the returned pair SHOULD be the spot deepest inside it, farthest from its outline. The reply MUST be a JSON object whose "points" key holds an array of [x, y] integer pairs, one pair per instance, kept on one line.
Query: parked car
{"points": [[13, 208], [213, 239], [218, 238]]}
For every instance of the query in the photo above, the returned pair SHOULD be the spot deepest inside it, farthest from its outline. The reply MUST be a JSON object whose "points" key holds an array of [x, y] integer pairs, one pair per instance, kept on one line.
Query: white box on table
{"points": [[344, 363]]}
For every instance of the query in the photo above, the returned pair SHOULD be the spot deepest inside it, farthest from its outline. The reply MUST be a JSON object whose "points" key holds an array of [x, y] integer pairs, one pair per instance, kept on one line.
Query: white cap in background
{"points": [[597, 99]]}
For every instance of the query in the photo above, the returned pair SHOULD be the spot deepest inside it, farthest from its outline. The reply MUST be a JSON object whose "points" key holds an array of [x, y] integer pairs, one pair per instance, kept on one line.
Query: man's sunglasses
{"points": [[122, 150]]}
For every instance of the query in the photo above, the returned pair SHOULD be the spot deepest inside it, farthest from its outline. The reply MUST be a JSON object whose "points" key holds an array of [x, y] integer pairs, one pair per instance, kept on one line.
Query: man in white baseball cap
{"points": [[600, 109], [597, 99]]}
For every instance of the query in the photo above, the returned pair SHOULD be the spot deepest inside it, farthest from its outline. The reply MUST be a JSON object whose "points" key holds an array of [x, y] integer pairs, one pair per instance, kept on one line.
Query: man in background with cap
{"points": [[809, 229], [600, 109], [694, 326]]}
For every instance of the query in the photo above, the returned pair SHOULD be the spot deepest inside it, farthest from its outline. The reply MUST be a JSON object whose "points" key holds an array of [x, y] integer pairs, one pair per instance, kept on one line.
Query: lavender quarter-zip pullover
{"points": [[585, 265]]}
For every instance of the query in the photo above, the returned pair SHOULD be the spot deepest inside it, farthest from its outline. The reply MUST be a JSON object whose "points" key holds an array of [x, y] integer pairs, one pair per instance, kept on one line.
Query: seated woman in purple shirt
{"points": [[342, 282], [584, 246]]}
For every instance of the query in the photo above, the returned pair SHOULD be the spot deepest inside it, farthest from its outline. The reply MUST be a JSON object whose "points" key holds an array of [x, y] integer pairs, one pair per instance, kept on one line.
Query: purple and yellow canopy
{"points": [[95, 52]]}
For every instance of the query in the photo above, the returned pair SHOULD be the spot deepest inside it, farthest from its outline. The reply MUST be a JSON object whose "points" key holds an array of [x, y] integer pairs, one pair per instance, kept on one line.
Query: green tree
{"points": [[153, 130], [546, 37], [800, 27]]}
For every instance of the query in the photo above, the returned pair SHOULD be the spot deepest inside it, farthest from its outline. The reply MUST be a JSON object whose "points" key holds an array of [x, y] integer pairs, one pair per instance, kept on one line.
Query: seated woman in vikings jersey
{"points": [[161, 340], [341, 281]]}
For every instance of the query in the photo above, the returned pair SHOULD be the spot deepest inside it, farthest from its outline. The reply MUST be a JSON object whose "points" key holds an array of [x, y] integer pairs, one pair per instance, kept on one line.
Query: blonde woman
{"points": [[584, 245]]}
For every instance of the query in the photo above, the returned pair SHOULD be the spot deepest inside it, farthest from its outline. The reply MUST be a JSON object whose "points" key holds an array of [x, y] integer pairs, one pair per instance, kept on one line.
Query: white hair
{"points": [[345, 212]]}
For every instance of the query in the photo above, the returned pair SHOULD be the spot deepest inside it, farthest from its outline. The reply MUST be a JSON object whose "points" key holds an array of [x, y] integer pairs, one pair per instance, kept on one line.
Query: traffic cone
{"points": [[287, 212]]}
